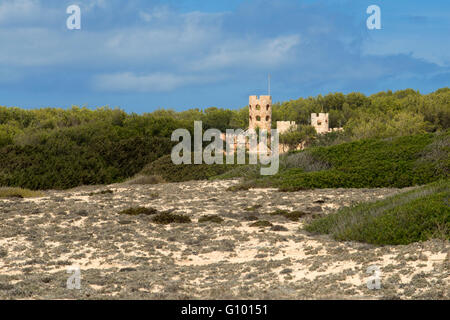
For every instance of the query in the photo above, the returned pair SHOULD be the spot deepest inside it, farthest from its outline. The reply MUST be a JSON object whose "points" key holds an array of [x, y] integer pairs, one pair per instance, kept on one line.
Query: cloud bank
{"points": [[151, 48]]}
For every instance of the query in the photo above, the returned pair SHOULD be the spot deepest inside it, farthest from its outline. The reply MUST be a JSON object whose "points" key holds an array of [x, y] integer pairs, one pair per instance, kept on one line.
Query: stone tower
{"points": [[260, 112], [320, 122]]}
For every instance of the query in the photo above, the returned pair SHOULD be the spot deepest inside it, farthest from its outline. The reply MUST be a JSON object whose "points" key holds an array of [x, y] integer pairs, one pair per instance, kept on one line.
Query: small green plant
{"points": [[139, 211], [6, 192], [168, 218], [261, 224], [210, 218]]}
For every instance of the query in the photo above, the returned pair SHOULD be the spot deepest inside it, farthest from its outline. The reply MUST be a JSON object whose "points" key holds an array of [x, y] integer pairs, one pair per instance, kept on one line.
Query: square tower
{"points": [[320, 122], [260, 112]]}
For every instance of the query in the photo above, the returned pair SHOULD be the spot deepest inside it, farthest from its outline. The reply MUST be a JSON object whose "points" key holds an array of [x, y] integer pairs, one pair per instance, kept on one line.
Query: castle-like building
{"points": [[260, 116]]}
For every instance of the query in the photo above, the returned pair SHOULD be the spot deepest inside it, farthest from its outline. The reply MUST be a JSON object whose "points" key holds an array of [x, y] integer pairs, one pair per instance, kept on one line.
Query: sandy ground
{"points": [[130, 257]]}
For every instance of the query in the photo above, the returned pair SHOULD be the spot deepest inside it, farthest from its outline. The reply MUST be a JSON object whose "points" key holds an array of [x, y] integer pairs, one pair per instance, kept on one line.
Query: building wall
{"points": [[284, 126], [260, 112]]}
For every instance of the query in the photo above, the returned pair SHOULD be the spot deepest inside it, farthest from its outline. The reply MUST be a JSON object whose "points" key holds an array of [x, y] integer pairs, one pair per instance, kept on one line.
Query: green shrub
{"points": [[167, 218], [60, 149], [139, 211], [261, 224], [372, 163], [170, 172], [417, 215]]}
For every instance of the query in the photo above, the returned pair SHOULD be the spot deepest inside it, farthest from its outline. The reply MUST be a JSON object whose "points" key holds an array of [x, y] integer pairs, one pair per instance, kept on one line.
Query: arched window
{"points": [[258, 107], [250, 118], [319, 123], [258, 118], [267, 118], [250, 107], [267, 107]]}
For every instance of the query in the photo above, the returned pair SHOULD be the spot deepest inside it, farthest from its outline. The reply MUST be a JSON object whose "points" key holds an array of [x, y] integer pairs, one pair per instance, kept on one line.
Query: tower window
{"points": [[258, 107], [319, 123], [258, 118], [250, 107], [267, 118], [267, 107]]}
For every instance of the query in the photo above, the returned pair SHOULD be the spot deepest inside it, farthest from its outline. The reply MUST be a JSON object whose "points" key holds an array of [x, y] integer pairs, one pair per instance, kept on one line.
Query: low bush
{"points": [[261, 224], [291, 215], [139, 211], [6, 192], [210, 218], [393, 162], [417, 215], [168, 218]]}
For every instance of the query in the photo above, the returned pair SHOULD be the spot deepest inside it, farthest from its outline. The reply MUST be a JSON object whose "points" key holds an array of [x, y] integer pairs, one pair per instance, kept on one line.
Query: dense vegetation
{"points": [[55, 148], [368, 163], [50, 148], [164, 168], [417, 215]]}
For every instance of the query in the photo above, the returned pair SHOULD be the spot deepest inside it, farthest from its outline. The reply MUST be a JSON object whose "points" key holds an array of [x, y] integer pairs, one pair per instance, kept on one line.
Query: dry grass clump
{"points": [[168, 218], [291, 215], [306, 161], [7, 192], [108, 191], [210, 218], [253, 208], [150, 179], [261, 224]]}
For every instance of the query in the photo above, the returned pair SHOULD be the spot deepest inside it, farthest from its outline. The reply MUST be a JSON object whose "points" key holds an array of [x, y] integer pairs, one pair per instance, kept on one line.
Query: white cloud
{"points": [[248, 53], [154, 82], [17, 11], [172, 49], [156, 13]]}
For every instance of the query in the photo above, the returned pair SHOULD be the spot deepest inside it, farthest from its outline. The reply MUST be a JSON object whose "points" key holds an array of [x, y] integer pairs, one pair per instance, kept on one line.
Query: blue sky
{"points": [[141, 55]]}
